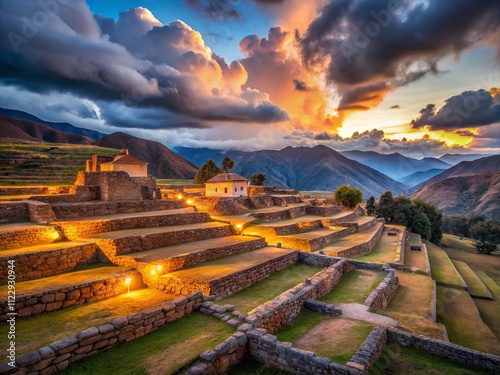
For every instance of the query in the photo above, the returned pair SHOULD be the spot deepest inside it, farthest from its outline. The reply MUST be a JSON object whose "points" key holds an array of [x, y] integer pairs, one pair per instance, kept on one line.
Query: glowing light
{"points": [[159, 267], [239, 226], [190, 201], [127, 281], [54, 235], [153, 271], [179, 196]]}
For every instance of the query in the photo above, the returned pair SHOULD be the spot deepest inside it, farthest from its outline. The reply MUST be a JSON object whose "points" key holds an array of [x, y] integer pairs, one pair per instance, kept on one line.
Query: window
{"points": [[241, 188], [235, 190], [216, 190], [225, 190]]}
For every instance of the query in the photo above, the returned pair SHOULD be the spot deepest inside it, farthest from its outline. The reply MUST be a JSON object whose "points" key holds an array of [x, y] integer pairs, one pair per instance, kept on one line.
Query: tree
{"points": [[227, 164], [258, 179], [402, 211], [487, 235], [457, 225], [422, 225], [386, 206], [435, 217], [371, 208], [206, 172], [348, 197]]}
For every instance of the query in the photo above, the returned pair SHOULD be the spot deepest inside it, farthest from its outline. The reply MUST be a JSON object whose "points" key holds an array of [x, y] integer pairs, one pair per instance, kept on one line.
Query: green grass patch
{"points": [[414, 258], [459, 243], [384, 251], [442, 269], [304, 322], [164, 351], [271, 287], [457, 311], [475, 286], [397, 359], [354, 287]]}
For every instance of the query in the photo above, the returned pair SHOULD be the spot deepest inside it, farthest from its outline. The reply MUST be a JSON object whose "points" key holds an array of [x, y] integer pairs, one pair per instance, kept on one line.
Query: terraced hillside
{"points": [[36, 163]]}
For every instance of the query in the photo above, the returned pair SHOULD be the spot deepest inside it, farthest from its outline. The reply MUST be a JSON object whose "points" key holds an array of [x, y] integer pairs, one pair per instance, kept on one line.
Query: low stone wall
{"points": [[318, 260], [289, 213], [70, 295], [36, 264], [256, 202], [323, 210], [77, 229], [7, 190], [28, 236], [283, 309], [40, 212], [222, 206], [370, 351], [60, 354], [217, 361], [285, 200], [367, 225], [127, 245], [228, 285], [307, 244], [321, 307], [14, 212], [267, 349], [362, 248], [101, 208], [402, 248], [453, 352], [259, 190], [76, 194], [383, 294]]}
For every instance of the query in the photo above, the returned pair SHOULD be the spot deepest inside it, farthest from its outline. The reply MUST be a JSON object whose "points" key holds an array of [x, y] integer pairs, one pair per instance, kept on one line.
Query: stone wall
{"points": [[126, 245], [318, 260], [370, 350], [321, 307], [41, 213], [453, 352], [289, 213], [14, 190], [76, 194], [323, 210], [29, 235], [70, 211], [383, 294], [60, 354], [256, 202], [75, 229], [267, 349], [362, 248], [260, 190], [14, 212], [70, 295], [36, 264], [230, 284], [313, 244], [283, 309], [219, 205]]}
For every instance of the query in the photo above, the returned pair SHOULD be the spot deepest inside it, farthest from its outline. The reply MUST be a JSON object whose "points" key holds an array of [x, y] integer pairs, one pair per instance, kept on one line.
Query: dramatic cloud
{"points": [[470, 109], [224, 10], [135, 61], [361, 43]]}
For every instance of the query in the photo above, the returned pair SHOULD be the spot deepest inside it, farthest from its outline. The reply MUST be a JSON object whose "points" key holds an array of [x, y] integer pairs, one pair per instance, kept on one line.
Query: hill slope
{"points": [[318, 168], [396, 166], [419, 177], [61, 126], [475, 193], [454, 159], [163, 162], [489, 163]]}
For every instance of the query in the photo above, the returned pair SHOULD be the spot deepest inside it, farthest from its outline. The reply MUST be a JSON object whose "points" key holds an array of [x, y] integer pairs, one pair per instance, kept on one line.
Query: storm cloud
{"points": [[135, 61], [470, 109]]}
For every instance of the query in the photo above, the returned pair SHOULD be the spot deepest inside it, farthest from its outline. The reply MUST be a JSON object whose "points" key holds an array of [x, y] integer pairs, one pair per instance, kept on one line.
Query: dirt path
{"points": [[360, 312]]}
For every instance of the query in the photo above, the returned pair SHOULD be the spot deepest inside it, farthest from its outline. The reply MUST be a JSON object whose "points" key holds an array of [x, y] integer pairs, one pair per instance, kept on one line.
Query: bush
{"points": [[207, 171], [258, 179], [348, 197], [487, 235]]}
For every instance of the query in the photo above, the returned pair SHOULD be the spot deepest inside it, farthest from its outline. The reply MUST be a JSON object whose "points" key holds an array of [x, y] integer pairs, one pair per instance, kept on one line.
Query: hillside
{"points": [[31, 131], [454, 159], [419, 177], [318, 168], [395, 165], [475, 193], [163, 162], [489, 163], [60, 126]]}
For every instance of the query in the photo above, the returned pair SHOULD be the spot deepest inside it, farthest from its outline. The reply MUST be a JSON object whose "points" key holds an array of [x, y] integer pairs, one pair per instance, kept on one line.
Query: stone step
{"points": [[34, 262], [13, 236], [284, 200], [326, 210], [173, 258], [314, 240], [280, 213], [102, 208], [52, 293], [355, 244], [365, 222], [74, 230], [229, 275], [134, 240]]}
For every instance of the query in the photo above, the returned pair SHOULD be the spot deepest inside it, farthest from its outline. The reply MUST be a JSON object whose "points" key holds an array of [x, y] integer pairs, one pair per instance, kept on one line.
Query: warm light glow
{"points": [[239, 226], [153, 272], [54, 235], [159, 267], [190, 201], [128, 280], [179, 196]]}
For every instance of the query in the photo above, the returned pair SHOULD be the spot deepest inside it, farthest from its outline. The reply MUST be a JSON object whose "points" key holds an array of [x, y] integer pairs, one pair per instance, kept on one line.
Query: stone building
{"points": [[126, 163], [226, 185]]}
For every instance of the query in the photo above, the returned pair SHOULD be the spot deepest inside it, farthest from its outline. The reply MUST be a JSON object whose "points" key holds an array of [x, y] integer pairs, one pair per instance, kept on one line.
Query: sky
{"points": [[418, 77]]}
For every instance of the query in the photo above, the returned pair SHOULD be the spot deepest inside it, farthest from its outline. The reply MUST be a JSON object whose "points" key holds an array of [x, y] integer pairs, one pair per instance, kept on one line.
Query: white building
{"points": [[226, 185]]}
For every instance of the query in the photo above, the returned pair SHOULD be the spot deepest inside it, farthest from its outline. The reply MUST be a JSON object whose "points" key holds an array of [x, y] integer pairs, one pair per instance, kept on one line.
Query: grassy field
{"points": [[384, 251], [411, 305], [173, 182], [44, 164], [271, 287], [164, 351], [457, 311], [414, 258], [397, 359], [38, 331], [301, 325], [354, 287], [475, 286], [461, 243], [442, 269]]}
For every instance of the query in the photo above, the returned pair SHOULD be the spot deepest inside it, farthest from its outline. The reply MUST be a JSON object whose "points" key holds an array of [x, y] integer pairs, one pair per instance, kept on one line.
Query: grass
{"points": [[300, 326], [457, 311], [36, 332], [354, 287], [270, 287], [397, 359], [165, 181], [442, 269], [488, 309], [384, 251], [450, 240], [163, 351], [414, 258], [411, 305], [475, 286]]}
